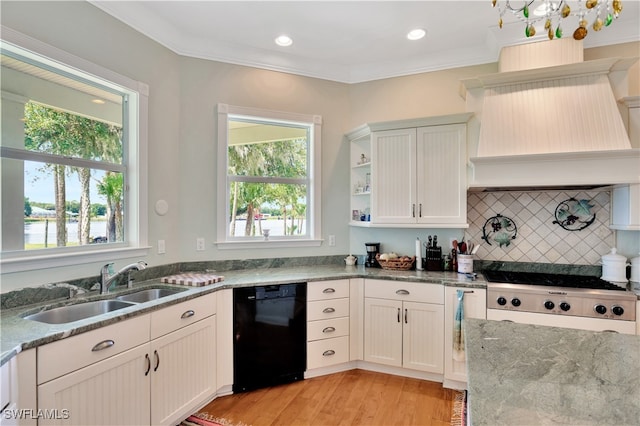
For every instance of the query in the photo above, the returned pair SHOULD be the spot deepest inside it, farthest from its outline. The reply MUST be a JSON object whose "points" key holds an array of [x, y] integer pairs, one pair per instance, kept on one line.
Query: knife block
{"points": [[434, 259]]}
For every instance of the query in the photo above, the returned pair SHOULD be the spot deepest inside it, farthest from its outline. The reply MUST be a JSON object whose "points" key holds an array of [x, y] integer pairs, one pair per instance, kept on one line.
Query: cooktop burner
{"points": [[552, 280]]}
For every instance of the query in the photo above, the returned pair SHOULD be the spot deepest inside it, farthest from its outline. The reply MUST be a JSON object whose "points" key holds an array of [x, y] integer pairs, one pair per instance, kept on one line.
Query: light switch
{"points": [[161, 247]]}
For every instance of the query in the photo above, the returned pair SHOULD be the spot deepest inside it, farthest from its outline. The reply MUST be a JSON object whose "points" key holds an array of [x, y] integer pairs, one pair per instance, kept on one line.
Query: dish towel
{"points": [[458, 334]]}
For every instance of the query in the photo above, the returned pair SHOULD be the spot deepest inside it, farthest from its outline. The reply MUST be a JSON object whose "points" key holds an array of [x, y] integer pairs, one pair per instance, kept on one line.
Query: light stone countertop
{"points": [[17, 333], [522, 374]]}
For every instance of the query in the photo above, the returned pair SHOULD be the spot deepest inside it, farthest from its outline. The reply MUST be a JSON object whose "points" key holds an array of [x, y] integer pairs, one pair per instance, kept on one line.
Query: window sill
{"points": [[31, 263], [257, 244]]}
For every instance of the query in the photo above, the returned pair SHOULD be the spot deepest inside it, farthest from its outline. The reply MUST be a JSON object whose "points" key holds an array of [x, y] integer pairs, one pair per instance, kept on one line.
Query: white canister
{"points": [[465, 263], [635, 269], [614, 267]]}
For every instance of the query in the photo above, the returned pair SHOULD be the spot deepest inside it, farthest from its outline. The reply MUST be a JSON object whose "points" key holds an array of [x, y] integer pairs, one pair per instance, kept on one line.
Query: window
{"points": [[71, 156], [268, 177]]}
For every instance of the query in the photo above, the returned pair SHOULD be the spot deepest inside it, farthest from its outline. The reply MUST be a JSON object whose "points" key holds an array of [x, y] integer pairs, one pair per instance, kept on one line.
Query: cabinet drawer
{"points": [[66, 355], [321, 290], [169, 319], [322, 353], [325, 309], [400, 290], [325, 329]]}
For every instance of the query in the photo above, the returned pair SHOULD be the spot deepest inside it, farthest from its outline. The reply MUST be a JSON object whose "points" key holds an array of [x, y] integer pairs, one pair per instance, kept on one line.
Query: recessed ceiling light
{"points": [[416, 34], [284, 40], [98, 101]]}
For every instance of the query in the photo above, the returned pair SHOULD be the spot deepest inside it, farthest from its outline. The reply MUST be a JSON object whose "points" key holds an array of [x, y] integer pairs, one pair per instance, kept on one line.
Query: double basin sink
{"points": [[70, 313]]}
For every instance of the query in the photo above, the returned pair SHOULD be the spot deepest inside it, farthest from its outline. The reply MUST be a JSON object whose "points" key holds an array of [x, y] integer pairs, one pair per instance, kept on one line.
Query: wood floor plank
{"points": [[354, 397]]}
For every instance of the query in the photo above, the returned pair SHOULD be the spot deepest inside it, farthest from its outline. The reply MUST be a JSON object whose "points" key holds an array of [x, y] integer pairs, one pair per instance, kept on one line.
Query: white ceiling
{"points": [[345, 41]]}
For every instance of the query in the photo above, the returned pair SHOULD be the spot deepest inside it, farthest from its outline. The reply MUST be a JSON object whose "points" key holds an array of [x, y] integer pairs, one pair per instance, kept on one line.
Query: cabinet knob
{"points": [[329, 290], [328, 310], [103, 345]]}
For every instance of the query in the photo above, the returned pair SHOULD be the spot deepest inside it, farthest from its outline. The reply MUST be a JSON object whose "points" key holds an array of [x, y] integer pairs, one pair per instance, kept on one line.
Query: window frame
{"points": [[314, 207], [134, 160]]}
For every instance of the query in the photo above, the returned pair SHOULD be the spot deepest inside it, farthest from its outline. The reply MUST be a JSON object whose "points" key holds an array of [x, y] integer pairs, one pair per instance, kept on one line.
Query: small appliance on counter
{"points": [[372, 250]]}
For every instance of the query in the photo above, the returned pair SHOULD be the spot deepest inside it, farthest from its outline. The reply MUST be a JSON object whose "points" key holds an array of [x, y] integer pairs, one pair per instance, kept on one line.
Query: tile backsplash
{"points": [[538, 238]]}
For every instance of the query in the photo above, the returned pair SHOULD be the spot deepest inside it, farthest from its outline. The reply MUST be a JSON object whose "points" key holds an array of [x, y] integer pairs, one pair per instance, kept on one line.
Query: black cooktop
{"points": [[554, 280]]}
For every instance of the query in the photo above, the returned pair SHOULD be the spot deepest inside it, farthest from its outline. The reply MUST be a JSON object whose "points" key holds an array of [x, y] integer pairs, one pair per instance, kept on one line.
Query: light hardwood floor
{"points": [[354, 397]]}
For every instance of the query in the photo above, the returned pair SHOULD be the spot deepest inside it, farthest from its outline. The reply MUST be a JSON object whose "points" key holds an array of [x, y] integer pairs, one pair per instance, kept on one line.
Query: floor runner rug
{"points": [[459, 411], [204, 419]]}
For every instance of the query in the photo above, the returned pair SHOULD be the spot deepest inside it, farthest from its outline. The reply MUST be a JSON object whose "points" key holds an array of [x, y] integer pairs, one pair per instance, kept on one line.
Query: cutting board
{"points": [[192, 279]]}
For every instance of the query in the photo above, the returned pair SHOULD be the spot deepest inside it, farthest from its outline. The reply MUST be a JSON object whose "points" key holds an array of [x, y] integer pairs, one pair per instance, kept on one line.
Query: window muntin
{"points": [[271, 175], [103, 146]]}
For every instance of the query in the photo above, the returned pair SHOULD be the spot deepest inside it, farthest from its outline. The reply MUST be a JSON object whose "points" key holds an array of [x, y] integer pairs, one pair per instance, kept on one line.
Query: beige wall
{"points": [[182, 129]]}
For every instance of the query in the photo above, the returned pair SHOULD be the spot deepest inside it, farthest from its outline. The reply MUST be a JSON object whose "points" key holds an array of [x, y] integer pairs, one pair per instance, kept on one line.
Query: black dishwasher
{"points": [[270, 335]]}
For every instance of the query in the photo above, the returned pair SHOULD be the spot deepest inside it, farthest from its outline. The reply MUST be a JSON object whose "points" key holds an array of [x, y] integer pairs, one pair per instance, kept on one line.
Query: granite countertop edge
{"points": [[19, 334]]}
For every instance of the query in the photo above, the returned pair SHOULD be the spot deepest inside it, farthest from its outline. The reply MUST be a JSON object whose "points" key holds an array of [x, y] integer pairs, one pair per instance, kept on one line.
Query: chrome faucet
{"points": [[107, 277]]}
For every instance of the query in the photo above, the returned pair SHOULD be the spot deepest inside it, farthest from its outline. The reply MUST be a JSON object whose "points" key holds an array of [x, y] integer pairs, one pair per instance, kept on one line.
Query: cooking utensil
{"points": [[463, 248], [455, 245], [475, 249], [470, 248]]}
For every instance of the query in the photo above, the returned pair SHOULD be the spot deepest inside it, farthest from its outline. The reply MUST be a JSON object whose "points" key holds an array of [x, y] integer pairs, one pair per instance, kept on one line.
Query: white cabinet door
{"points": [[423, 336], [475, 302], [114, 391], [383, 331], [393, 170], [183, 371], [441, 175]]}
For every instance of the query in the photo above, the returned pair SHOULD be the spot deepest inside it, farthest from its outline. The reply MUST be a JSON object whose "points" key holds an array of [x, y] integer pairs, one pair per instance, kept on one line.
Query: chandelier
{"points": [[594, 13]]}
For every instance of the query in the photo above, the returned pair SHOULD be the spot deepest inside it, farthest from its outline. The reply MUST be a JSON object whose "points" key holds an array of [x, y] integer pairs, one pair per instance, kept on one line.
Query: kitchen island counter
{"points": [[522, 374]]}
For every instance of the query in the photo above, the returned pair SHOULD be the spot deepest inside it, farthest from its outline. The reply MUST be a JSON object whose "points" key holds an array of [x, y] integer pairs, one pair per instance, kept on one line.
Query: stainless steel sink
{"points": [[71, 313], [149, 294]]}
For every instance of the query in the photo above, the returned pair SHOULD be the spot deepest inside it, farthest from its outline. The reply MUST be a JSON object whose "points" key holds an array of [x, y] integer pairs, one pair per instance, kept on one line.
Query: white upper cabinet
{"points": [[416, 176]]}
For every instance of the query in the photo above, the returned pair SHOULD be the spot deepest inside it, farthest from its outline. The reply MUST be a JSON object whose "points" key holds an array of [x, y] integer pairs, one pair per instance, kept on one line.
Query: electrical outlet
{"points": [[161, 247], [332, 240], [199, 244]]}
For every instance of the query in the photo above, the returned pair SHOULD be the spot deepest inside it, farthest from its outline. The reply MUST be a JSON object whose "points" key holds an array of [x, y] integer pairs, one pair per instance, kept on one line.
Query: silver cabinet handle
{"points": [[398, 314], [329, 352], [155, 353], [146, 356], [402, 292], [103, 345], [329, 330], [405, 316], [188, 314], [329, 290], [328, 310]]}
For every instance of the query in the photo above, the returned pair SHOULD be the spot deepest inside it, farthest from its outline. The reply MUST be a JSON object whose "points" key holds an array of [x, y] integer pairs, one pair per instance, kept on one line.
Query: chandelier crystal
{"points": [[595, 14]]}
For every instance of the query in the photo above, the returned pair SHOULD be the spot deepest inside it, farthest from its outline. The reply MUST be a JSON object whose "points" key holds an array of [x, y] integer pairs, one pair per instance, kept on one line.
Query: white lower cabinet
{"points": [[183, 371], [406, 327], [327, 323], [474, 304], [18, 393], [116, 375], [114, 391]]}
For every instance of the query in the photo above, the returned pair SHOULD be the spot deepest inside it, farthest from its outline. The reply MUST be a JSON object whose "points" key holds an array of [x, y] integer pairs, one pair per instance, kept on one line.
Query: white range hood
{"points": [[548, 119]]}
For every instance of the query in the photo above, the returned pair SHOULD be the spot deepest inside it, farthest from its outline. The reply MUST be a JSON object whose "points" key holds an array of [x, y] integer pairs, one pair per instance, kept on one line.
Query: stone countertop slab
{"points": [[522, 374], [17, 333]]}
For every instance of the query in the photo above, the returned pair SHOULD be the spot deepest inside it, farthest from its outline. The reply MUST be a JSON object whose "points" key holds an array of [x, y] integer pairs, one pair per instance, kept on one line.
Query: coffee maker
{"points": [[372, 250]]}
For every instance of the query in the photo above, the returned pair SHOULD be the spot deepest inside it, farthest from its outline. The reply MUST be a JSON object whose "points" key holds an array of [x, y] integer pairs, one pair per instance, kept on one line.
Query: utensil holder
{"points": [[465, 263]]}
